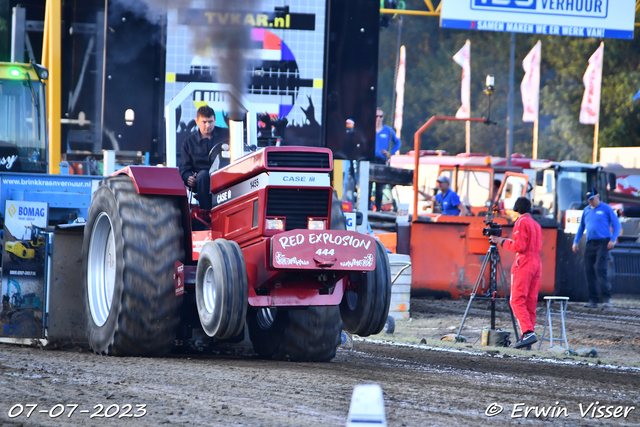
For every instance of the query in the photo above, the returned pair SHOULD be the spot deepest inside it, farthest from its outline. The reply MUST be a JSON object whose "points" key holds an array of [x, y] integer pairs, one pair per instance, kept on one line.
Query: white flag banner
{"points": [[462, 58], [397, 120], [590, 108], [530, 86]]}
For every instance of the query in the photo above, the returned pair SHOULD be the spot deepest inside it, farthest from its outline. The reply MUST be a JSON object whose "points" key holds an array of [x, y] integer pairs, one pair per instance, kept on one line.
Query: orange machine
{"points": [[471, 174], [455, 246], [447, 252]]}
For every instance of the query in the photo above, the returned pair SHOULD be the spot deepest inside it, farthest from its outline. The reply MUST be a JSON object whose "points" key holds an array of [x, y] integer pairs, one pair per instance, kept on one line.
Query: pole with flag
{"points": [[462, 58], [590, 108], [530, 88], [397, 121]]}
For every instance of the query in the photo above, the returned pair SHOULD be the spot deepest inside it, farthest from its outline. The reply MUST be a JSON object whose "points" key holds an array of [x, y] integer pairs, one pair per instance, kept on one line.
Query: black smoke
{"points": [[227, 44]]}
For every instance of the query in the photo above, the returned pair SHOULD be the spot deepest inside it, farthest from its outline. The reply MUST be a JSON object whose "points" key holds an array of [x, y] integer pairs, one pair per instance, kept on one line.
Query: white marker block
{"points": [[367, 407]]}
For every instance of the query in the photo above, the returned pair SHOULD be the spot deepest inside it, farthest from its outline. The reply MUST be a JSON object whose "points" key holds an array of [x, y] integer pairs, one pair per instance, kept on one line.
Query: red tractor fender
{"points": [[155, 180], [161, 181]]}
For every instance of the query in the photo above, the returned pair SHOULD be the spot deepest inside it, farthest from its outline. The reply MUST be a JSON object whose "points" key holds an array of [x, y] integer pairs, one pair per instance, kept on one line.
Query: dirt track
{"points": [[422, 386], [614, 332]]}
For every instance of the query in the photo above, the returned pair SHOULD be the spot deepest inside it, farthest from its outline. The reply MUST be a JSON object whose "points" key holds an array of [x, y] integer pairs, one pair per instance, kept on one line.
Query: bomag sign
{"points": [[271, 20], [19, 215], [27, 211], [32, 212]]}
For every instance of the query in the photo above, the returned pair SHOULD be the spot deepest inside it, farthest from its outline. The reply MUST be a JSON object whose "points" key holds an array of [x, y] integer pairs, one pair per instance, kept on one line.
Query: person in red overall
{"points": [[526, 270]]}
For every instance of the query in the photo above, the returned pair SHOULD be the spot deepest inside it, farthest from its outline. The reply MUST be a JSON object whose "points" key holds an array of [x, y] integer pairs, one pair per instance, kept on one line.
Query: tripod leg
{"points": [[513, 320], [504, 289], [493, 285], [473, 294], [466, 312]]}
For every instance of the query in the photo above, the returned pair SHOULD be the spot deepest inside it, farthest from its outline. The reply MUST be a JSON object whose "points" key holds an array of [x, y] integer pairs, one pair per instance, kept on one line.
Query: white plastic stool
{"points": [[563, 308]]}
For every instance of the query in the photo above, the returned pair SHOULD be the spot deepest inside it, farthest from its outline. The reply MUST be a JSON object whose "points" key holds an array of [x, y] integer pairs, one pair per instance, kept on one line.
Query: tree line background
{"points": [[433, 88]]}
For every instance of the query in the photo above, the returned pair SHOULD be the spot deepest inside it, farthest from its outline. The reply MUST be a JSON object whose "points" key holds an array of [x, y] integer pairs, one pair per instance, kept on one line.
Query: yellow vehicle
{"points": [[23, 132], [32, 249]]}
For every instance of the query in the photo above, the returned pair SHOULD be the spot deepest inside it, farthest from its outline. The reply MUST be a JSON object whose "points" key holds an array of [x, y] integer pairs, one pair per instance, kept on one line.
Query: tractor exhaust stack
{"points": [[236, 140]]}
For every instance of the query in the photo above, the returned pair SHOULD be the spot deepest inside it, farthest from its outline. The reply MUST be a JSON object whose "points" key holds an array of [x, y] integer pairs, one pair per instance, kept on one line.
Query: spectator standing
{"points": [[447, 198], [387, 144], [599, 219]]}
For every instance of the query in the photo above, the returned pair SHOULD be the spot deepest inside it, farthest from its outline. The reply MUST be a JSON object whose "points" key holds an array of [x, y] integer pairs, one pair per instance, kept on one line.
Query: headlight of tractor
{"points": [[316, 224], [275, 224]]}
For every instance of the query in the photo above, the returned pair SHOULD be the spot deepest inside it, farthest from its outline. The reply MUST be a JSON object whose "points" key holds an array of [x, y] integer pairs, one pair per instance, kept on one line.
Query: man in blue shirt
{"points": [[387, 144], [598, 218], [447, 198]]}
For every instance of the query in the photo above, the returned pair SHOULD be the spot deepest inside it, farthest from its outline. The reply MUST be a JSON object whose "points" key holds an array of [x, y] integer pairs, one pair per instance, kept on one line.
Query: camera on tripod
{"points": [[496, 272], [492, 228]]}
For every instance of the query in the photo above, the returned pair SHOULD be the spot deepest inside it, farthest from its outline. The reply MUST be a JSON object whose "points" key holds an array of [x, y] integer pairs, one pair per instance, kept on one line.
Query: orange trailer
{"points": [[447, 253]]}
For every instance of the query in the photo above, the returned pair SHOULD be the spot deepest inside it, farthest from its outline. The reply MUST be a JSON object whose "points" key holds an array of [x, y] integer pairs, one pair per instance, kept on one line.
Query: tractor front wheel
{"points": [[222, 289], [364, 310]]}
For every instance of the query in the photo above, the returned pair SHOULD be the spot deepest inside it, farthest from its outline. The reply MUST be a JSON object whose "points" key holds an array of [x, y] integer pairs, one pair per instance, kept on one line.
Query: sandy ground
{"points": [[613, 332], [430, 384]]}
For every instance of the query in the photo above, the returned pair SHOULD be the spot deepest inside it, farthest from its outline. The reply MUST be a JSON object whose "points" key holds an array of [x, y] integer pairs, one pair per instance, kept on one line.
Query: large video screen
{"points": [[283, 69]]}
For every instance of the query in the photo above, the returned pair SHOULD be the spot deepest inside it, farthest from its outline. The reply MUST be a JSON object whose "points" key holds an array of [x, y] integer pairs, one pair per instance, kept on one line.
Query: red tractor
{"points": [[269, 255]]}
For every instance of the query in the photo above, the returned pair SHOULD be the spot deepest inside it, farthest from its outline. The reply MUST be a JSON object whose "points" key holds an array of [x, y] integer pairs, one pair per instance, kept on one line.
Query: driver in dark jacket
{"points": [[195, 162]]}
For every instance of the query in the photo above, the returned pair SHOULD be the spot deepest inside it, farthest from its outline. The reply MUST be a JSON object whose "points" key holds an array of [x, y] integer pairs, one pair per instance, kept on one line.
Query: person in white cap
{"points": [[447, 198]]}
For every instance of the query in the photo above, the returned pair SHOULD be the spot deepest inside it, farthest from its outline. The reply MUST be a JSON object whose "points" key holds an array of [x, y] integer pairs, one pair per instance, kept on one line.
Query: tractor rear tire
{"points": [[222, 289], [131, 243], [310, 334], [364, 312]]}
